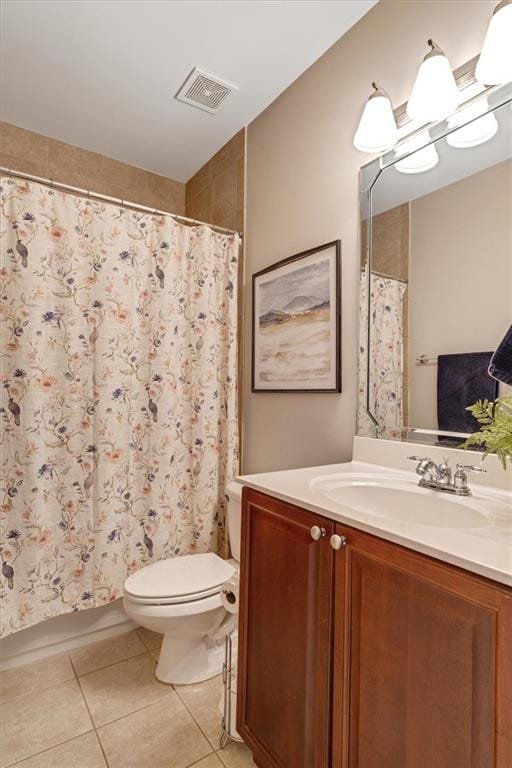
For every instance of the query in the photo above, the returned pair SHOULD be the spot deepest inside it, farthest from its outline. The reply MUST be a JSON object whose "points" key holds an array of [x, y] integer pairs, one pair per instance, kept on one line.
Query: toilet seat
{"points": [[178, 580]]}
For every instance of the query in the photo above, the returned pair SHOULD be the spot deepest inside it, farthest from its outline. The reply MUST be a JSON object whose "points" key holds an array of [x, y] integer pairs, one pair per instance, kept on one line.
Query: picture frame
{"points": [[296, 323]]}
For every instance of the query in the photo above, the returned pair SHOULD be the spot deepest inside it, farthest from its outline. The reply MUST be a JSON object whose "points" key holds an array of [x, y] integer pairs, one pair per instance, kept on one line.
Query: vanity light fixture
{"points": [[494, 66], [377, 130], [434, 95], [422, 159], [483, 126]]}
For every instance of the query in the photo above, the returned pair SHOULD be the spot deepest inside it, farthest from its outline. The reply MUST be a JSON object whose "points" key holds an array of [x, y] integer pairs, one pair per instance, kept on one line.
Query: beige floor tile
{"points": [[29, 724], [202, 700], [106, 652], [29, 678], [152, 640], [163, 735], [237, 755], [212, 761], [83, 752], [155, 655], [122, 688]]}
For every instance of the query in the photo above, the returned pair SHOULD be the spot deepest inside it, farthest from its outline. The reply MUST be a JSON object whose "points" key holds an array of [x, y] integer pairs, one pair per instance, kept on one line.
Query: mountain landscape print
{"points": [[295, 340], [299, 306]]}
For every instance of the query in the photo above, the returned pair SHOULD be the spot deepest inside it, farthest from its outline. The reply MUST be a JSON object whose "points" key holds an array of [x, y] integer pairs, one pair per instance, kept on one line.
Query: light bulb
{"points": [[482, 128], [377, 129], [434, 95], [421, 159], [494, 67]]}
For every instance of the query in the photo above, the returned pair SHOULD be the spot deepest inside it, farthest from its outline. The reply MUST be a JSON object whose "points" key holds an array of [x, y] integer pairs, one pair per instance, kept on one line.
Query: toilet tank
{"points": [[234, 517]]}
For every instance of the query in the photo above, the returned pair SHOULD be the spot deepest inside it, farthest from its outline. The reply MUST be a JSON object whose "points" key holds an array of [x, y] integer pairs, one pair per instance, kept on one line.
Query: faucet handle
{"points": [[470, 468], [460, 479], [424, 464]]}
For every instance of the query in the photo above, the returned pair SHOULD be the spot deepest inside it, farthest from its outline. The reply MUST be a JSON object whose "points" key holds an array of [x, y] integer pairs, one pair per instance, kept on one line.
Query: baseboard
{"points": [[64, 633]]}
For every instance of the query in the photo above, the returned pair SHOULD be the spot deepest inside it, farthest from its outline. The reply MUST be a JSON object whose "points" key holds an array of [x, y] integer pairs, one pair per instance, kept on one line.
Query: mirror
{"points": [[436, 275]]}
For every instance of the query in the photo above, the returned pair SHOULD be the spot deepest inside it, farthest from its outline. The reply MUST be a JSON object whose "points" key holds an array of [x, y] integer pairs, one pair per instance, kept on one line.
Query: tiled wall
{"points": [[390, 243], [41, 156], [216, 192]]}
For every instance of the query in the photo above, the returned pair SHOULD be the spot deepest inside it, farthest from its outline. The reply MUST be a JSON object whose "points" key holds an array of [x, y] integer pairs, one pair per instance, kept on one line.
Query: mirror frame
{"points": [[497, 97]]}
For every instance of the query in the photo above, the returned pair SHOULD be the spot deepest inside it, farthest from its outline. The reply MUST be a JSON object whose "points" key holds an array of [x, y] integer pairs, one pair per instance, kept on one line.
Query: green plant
{"points": [[495, 431]]}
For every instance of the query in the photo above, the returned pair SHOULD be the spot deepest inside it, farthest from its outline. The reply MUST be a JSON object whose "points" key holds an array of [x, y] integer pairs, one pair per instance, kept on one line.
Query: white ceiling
{"points": [[102, 75]]}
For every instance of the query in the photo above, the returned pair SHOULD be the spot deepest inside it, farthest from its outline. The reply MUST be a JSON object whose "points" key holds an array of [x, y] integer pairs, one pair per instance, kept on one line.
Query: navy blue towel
{"points": [[500, 367], [462, 379]]}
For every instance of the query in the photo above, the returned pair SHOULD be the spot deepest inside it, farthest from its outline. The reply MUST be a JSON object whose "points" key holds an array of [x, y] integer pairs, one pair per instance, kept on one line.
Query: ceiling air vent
{"points": [[204, 91]]}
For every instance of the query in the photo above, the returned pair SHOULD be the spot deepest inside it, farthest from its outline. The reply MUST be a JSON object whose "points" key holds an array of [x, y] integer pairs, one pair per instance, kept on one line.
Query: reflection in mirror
{"points": [[438, 245]]}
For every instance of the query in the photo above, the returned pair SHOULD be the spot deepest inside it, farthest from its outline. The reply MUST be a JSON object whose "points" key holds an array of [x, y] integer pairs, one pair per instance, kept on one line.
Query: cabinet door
{"points": [[284, 634], [423, 670]]}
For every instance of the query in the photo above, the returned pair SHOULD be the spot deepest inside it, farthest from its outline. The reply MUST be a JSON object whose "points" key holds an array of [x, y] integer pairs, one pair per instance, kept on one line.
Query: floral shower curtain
{"points": [[386, 354], [119, 396]]}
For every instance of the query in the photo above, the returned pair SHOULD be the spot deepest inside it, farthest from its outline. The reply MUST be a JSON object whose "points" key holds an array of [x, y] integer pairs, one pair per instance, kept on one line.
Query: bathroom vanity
{"points": [[376, 615], [366, 640]]}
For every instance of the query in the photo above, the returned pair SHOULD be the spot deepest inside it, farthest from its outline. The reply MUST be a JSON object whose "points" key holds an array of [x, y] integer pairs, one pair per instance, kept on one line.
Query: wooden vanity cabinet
{"points": [[284, 634], [422, 664], [369, 656]]}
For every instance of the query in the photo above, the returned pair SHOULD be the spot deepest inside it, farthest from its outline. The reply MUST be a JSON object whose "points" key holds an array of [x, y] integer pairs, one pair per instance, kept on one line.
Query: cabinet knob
{"points": [[337, 542], [317, 533]]}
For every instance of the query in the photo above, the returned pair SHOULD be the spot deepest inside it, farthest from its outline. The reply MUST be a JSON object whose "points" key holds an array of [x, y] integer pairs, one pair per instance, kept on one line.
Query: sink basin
{"points": [[401, 499]]}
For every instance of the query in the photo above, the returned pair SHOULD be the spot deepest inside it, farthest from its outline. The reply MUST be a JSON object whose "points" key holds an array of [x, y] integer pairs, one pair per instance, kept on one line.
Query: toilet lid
{"points": [[189, 576]]}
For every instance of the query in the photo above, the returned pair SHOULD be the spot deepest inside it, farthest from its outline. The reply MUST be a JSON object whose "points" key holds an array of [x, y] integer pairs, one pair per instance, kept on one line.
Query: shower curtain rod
{"points": [[115, 200], [389, 277]]}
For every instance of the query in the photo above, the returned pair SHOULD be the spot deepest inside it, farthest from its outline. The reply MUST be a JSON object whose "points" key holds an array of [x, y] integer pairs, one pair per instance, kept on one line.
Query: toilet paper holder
{"points": [[229, 686]]}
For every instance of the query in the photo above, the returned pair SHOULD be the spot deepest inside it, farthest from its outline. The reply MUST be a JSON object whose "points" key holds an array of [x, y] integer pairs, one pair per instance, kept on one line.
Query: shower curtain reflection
{"points": [[386, 356]]}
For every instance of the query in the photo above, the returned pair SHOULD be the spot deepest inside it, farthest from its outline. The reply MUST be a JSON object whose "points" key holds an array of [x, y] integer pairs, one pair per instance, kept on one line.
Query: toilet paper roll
{"points": [[230, 594]]}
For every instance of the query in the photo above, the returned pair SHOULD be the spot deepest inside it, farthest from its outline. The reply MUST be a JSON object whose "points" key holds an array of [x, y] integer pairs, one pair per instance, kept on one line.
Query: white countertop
{"points": [[484, 550]]}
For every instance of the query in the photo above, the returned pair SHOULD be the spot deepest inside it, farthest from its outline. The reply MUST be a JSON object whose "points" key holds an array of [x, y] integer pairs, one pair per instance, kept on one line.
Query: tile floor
{"points": [[101, 706]]}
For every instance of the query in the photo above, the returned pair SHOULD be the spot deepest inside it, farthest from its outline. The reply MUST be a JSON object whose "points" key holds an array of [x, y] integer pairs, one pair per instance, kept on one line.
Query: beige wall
{"points": [[303, 190], [460, 289], [216, 193], [38, 155]]}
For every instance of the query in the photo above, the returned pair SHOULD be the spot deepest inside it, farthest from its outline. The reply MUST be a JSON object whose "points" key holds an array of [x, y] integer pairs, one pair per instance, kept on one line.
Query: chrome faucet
{"points": [[439, 477]]}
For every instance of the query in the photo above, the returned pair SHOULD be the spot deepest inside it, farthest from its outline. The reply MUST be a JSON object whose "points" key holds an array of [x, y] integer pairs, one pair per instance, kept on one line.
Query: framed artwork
{"points": [[296, 323]]}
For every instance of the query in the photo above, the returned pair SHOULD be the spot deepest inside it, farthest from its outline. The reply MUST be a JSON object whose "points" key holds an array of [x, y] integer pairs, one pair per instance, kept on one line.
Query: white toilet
{"points": [[180, 598]]}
